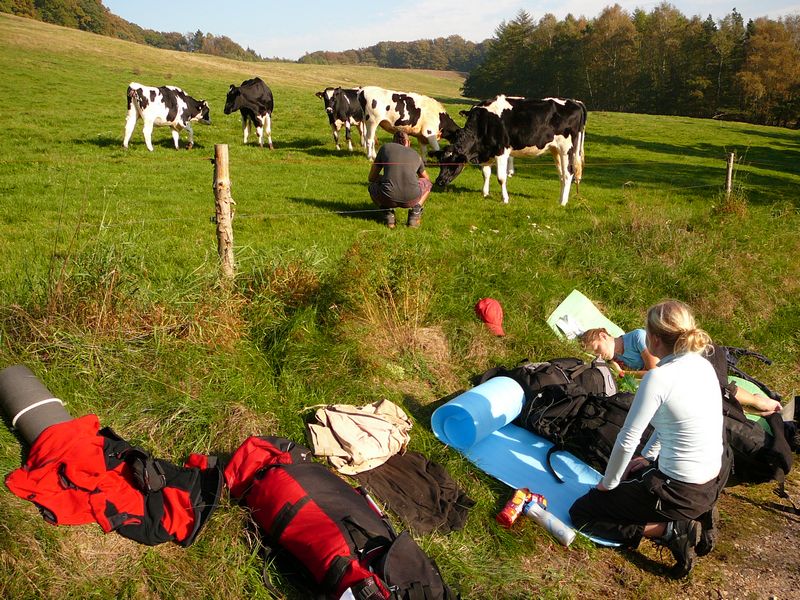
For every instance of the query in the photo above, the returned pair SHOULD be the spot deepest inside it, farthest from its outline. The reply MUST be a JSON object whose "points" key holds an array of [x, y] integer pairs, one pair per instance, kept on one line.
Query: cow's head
{"points": [[205, 113], [233, 100], [453, 158], [327, 96], [448, 127]]}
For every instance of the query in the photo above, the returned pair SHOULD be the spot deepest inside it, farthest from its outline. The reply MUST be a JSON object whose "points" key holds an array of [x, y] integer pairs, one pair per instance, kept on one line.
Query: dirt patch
{"points": [[756, 557]]}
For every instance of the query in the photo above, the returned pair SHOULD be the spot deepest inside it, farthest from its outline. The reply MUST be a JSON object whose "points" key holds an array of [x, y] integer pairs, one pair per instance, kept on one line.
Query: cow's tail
{"points": [[580, 159]]}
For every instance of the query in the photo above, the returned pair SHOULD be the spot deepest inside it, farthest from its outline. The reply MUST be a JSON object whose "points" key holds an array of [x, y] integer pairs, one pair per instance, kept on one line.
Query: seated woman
{"points": [[629, 351], [676, 481]]}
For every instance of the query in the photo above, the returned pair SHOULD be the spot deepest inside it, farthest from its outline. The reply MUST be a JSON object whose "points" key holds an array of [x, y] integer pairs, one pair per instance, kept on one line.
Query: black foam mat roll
{"points": [[29, 405]]}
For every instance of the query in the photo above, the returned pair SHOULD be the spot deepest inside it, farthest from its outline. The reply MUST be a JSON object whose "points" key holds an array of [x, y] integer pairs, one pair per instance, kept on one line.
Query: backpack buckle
{"points": [[148, 474]]}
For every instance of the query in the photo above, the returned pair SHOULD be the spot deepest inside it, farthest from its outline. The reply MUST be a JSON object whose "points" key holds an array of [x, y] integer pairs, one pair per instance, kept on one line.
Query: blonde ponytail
{"points": [[673, 322]]}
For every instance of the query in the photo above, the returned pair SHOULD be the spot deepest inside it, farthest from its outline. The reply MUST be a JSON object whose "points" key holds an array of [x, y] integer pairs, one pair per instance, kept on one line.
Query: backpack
{"points": [[556, 393], [758, 455], [732, 356], [594, 431], [333, 530], [594, 378]]}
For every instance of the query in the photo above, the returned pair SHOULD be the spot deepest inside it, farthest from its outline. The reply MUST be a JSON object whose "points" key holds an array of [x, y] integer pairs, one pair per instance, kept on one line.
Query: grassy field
{"points": [[109, 291]]}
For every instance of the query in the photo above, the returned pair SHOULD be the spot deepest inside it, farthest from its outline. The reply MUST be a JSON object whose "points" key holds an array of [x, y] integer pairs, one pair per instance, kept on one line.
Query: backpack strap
{"points": [[286, 515], [336, 571], [732, 356], [553, 449], [419, 591]]}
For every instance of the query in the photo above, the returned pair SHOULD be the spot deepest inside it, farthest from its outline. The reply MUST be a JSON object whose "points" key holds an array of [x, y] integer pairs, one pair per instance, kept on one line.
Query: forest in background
{"points": [[452, 53], [656, 62]]}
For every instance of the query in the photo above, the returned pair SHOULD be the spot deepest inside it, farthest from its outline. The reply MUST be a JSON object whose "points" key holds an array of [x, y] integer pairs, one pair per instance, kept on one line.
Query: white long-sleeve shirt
{"points": [[682, 399]]}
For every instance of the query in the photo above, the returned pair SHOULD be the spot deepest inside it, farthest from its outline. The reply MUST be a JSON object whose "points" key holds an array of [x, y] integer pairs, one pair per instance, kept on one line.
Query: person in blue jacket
{"points": [[629, 351]]}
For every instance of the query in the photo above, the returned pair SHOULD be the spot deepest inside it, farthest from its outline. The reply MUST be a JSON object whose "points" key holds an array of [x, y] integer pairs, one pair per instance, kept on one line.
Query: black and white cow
{"points": [[419, 116], [343, 110], [163, 106], [253, 99], [505, 126]]}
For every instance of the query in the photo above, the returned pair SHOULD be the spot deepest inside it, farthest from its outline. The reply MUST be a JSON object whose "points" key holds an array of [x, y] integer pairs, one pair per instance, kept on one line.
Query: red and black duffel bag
{"points": [[333, 530], [78, 473]]}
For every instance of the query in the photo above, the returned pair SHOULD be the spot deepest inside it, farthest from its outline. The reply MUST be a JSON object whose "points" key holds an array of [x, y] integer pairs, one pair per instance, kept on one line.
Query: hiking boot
{"points": [[708, 538], [414, 216], [682, 543], [390, 220]]}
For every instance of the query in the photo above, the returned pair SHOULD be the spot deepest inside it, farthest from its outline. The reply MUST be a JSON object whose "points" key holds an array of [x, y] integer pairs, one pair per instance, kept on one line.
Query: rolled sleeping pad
{"points": [[472, 416], [29, 405]]}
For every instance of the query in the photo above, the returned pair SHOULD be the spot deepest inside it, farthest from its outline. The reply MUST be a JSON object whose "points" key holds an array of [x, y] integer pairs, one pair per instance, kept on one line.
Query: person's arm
{"points": [[642, 410], [423, 174], [648, 360], [757, 404], [374, 172]]}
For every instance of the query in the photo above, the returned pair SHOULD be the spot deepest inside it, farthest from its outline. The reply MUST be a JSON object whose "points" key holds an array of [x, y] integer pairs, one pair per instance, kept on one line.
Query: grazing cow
{"points": [[503, 127], [253, 99], [419, 116], [163, 106], [343, 111]]}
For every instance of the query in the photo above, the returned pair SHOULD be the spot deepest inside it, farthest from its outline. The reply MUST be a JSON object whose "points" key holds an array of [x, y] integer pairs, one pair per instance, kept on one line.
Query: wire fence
{"points": [[527, 162]]}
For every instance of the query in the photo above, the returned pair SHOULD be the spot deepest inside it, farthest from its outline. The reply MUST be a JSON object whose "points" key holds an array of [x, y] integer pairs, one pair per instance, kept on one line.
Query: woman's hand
{"points": [[601, 487], [636, 464]]}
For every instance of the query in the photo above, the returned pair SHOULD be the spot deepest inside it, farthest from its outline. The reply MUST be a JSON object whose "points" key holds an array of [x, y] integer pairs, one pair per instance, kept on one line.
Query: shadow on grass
{"points": [[101, 141], [755, 151], [422, 412], [316, 147], [790, 512], [365, 212], [785, 135], [645, 563], [24, 446], [477, 191]]}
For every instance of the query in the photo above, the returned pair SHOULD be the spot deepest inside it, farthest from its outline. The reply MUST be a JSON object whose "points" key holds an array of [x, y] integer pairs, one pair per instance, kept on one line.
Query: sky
{"points": [[289, 29]]}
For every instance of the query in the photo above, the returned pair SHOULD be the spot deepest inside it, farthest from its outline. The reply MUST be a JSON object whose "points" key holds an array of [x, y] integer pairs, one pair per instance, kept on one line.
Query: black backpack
{"points": [[591, 378], [594, 431], [732, 357], [555, 394]]}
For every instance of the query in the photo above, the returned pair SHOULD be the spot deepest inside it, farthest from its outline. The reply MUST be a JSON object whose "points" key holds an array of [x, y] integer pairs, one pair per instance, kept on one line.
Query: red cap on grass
{"points": [[490, 312]]}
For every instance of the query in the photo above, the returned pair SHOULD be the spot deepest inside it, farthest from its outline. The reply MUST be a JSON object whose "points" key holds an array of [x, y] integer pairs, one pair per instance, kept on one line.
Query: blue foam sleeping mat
{"points": [[478, 423]]}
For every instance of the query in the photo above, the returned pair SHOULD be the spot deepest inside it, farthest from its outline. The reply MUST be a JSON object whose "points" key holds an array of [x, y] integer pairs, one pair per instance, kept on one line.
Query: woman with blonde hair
{"points": [[668, 492]]}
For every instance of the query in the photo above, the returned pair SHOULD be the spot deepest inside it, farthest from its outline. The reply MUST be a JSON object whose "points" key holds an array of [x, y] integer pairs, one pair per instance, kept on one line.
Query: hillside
{"points": [[94, 17], [110, 293]]}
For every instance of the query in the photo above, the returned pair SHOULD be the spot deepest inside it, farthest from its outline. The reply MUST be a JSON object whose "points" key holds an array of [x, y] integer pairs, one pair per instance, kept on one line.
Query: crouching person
{"points": [[668, 494], [398, 179]]}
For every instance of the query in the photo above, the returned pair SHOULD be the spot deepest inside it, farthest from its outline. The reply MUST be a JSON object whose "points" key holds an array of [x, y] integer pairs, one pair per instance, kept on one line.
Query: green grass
{"points": [[109, 292]]}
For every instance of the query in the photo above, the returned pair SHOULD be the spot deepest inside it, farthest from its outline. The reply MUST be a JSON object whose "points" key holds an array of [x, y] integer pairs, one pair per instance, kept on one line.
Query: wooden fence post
{"points": [[224, 210], [729, 175]]}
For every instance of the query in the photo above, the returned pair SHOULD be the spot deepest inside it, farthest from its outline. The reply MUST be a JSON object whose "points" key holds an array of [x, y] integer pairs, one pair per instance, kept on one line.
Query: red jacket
{"points": [[76, 474]]}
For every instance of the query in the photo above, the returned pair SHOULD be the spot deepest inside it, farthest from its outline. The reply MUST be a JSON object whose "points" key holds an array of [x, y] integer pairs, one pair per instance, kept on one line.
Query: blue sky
{"points": [[289, 29]]}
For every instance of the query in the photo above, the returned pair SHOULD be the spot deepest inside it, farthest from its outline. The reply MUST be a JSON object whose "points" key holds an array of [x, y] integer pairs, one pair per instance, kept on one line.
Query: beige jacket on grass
{"points": [[359, 438]]}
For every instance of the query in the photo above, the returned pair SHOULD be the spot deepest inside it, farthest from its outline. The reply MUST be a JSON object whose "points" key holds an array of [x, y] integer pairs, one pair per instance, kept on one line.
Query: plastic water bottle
{"points": [[557, 528]]}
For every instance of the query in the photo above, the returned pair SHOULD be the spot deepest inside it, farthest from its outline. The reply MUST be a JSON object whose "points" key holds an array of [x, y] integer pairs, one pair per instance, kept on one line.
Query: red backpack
{"points": [[336, 532]]}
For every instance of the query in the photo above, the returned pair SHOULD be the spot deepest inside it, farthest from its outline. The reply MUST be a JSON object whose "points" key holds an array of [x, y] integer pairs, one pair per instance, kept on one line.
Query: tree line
{"points": [[452, 53], [91, 15], [660, 62]]}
